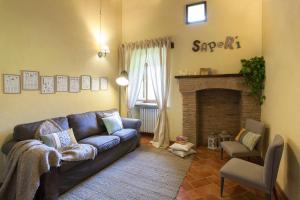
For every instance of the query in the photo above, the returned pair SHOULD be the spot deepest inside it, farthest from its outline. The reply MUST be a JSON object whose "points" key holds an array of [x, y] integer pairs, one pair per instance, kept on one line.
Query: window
{"points": [[146, 94], [196, 13]]}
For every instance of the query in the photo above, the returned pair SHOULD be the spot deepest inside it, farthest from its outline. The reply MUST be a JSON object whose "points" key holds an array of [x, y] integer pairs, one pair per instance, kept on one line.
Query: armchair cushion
{"points": [[244, 172], [236, 149]]}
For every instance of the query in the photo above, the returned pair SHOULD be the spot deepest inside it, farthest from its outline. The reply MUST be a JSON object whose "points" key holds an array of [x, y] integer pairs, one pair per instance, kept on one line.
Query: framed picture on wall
{"points": [[62, 83], [11, 84], [85, 82], [103, 83], [74, 84], [30, 80], [95, 84], [47, 85]]}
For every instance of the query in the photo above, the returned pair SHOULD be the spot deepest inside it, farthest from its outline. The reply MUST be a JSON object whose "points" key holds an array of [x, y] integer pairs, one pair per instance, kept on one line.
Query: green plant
{"points": [[253, 70]]}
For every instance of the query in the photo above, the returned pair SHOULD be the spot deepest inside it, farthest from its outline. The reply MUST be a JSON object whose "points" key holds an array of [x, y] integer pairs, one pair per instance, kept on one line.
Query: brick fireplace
{"points": [[213, 103]]}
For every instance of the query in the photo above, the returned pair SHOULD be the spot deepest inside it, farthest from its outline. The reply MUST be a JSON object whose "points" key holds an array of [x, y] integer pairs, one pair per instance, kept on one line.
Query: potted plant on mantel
{"points": [[253, 70]]}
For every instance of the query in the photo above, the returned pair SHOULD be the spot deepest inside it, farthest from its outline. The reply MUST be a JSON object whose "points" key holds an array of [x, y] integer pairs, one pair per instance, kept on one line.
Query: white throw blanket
{"points": [[29, 159], [26, 162]]}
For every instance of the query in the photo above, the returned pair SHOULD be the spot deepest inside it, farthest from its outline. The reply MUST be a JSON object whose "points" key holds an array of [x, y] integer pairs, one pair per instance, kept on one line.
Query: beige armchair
{"points": [[237, 149]]}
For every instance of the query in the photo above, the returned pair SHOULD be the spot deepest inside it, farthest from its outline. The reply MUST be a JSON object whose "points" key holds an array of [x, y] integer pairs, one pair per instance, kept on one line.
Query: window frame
{"points": [[194, 4]]}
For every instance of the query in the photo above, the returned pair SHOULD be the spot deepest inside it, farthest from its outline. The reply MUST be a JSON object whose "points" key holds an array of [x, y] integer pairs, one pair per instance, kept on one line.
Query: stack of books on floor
{"points": [[182, 147]]}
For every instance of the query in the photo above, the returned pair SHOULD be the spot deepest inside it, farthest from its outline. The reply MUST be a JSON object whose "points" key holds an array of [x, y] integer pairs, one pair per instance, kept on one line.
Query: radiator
{"points": [[149, 118]]}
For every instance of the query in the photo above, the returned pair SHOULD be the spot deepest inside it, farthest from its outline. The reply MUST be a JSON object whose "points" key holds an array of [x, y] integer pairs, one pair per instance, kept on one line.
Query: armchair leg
{"points": [[222, 151], [275, 193], [222, 186], [268, 196]]}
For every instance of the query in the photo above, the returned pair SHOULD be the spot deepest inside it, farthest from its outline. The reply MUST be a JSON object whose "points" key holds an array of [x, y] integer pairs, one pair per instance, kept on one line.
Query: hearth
{"points": [[214, 103]]}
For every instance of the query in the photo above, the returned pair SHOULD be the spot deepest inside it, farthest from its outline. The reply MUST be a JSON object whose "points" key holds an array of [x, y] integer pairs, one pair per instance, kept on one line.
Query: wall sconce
{"points": [[103, 52]]}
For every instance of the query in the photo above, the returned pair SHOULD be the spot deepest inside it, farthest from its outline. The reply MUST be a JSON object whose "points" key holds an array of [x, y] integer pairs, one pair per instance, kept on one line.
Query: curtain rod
{"points": [[172, 44]]}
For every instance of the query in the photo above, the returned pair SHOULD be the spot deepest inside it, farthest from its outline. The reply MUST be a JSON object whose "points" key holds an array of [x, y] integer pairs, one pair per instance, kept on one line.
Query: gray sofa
{"points": [[88, 129]]}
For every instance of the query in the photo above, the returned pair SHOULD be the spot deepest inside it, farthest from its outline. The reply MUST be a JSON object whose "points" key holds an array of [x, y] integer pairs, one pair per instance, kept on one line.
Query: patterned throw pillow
{"points": [[250, 140], [60, 139], [113, 123], [47, 127]]}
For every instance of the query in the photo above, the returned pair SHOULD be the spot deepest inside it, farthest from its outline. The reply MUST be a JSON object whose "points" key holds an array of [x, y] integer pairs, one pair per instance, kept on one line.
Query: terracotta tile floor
{"points": [[202, 180]]}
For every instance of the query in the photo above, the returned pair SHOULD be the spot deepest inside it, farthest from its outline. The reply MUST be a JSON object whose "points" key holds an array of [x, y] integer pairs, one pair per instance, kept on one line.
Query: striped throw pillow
{"points": [[250, 140], [59, 140]]}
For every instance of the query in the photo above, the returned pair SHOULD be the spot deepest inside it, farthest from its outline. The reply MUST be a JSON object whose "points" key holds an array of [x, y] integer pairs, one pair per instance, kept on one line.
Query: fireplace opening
{"points": [[217, 110]]}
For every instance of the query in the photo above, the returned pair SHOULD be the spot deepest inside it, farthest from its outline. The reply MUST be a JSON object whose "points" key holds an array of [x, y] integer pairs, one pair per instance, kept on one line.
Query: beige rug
{"points": [[147, 173]]}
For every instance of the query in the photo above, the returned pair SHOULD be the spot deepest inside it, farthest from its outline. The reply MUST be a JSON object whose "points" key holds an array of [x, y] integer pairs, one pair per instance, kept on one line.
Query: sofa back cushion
{"points": [[84, 125], [27, 131]]}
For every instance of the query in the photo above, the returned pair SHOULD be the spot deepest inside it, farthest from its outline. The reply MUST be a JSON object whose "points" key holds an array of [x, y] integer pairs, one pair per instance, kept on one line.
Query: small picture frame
{"points": [[47, 85], [95, 84], [62, 83], [74, 84], [85, 82], [205, 71], [11, 84], [103, 83], [30, 80]]}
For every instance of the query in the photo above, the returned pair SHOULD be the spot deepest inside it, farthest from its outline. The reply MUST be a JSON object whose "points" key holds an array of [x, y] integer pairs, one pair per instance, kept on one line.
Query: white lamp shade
{"points": [[122, 80]]}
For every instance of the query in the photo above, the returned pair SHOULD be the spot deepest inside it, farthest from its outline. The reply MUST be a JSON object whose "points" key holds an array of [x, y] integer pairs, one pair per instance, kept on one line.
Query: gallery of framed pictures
{"points": [[33, 81]]}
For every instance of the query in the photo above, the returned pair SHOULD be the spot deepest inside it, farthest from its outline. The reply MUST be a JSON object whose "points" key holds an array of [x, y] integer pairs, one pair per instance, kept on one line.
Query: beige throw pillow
{"points": [[238, 137]]}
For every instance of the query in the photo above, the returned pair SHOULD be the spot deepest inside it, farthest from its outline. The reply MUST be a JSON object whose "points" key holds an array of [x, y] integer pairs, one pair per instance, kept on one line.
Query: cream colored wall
{"points": [[144, 19], [56, 37], [281, 47]]}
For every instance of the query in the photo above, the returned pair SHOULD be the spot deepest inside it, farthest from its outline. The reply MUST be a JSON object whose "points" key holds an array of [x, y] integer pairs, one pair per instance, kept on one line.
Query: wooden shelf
{"points": [[208, 76]]}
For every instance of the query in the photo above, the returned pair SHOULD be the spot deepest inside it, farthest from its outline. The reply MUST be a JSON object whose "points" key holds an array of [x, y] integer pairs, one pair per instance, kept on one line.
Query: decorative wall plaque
{"points": [[103, 83], [95, 83], [62, 83], [47, 85], [74, 83], [11, 84], [85, 82], [30, 80]]}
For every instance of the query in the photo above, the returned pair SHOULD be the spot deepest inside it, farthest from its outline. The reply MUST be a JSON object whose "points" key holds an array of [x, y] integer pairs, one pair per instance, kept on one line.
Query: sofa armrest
{"points": [[132, 123], [8, 146]]}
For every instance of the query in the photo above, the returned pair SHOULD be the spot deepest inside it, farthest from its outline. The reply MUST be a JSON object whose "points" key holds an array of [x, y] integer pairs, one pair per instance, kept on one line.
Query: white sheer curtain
{"points": [[135, 76], [158, 62], [155, 53]]}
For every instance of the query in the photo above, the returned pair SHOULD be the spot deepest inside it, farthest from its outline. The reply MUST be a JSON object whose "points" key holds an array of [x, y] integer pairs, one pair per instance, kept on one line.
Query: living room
{"points": [[171, 73]]}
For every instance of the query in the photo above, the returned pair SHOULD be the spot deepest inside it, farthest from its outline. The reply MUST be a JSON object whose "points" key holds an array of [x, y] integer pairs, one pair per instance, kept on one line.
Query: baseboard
{"points": [[147, 134], [281, 194]]}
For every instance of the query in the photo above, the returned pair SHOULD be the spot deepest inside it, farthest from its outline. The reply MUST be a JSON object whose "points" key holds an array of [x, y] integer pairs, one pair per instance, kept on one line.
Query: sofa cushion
{"points": [[27, 131], [126, 134], [84, 125], [102, 142]]}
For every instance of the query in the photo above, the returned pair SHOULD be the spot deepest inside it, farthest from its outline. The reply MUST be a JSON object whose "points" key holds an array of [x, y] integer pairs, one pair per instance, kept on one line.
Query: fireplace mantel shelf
{"points": [[208, 76]]}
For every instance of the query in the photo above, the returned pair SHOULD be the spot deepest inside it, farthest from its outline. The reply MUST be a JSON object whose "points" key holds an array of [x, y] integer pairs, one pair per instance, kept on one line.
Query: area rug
{"points": [[146, 173]]}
